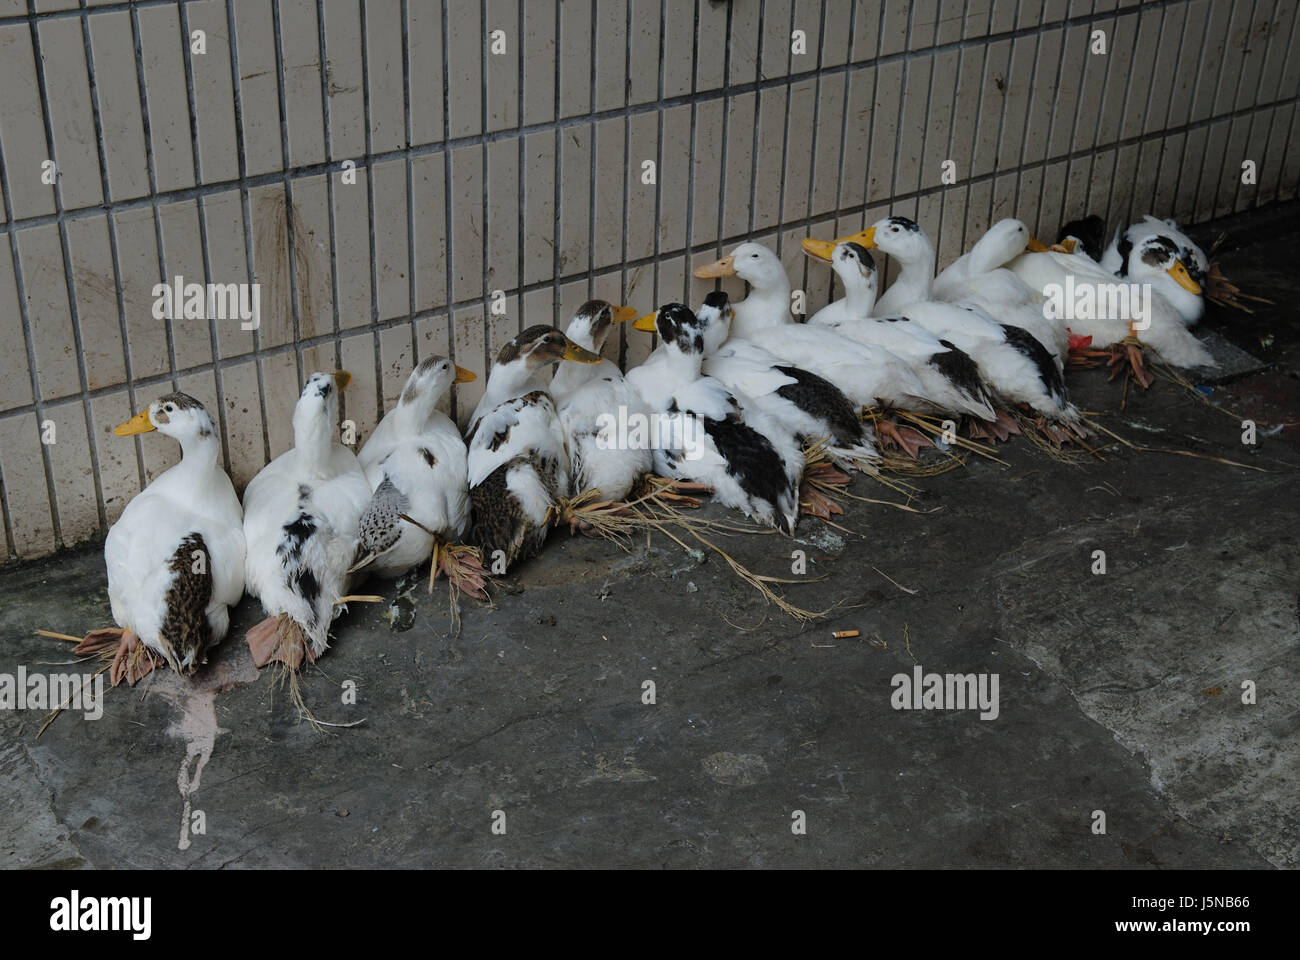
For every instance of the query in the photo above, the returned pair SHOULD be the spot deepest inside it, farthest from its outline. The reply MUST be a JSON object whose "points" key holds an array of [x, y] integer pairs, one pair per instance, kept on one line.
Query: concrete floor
{"points": [[1119, 692]]}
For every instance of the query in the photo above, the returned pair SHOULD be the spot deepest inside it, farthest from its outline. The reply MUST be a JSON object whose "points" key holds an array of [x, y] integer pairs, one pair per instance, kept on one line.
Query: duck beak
{"points": [[726, 267], [867, 238], [1065, 246], [342, 378], [581, 354], [1036, 246], [140, 423], [820, 249], [464, 376], [1183, 278], [623, 314], [645, 324]]}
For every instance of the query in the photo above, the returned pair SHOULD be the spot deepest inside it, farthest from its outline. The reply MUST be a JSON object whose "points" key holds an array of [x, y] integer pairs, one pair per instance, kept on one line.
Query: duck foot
{"points": [[132, 662], [99, 640], [814, 503], [1002, 428], [686, 493], [909, 440], [279, 639], [1127, 356], [463, 567]]}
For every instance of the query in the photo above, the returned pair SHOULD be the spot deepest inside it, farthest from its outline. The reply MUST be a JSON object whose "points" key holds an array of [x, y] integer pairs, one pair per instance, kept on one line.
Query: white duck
{"points": [[590, 399], [979, 276], [809, 406], [951, 378], [722, 439], [1010, 359], [866, 374], [518, 460], [175, 556], [1186, 297], [415, 463], [1097, 304], [301, 514]]}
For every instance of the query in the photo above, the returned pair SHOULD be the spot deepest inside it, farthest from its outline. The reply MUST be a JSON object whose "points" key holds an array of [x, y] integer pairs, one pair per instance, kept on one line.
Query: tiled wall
{"points": [[527, 177]]}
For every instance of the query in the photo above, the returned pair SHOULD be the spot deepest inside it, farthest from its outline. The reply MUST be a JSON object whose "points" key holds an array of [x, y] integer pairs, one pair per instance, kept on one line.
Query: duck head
{"points": [[898, 237], [430, 381], [714, 320], [677, 326], [1002, 243], [176, 415], [851, 261], [540, 346], [1157, 260], [752, 262], [591, 325]]}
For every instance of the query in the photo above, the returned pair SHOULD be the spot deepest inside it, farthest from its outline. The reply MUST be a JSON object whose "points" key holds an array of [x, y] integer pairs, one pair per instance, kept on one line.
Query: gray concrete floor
{"points": [[1118, 693]]}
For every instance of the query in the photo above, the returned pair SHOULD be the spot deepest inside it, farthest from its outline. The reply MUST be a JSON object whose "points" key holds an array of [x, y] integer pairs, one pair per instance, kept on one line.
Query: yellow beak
{"points": [[140, 423], [342, 378], [464, 376], [581, 354], [726, 267], [623, 314], [821, 249], [1036, 246], [1065, 246], [1180, 274], [867, 238], [645, 324]]}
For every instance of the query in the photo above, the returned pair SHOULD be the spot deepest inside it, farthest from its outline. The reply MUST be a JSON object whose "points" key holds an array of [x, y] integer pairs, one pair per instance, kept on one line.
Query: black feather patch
{"points": [[1027, 344], [296, 534], [825, 401], [961, 371], [751, 459], [1125, 247], [1090, 232]]}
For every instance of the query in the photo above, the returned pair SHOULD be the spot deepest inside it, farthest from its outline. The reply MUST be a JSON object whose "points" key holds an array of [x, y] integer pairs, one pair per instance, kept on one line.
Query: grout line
{"points": [[363, 6], [446, 212], [246, 209], [65, 251], [329, 192], [410, 179], [290, 213], [214, 345], [110, 221]]}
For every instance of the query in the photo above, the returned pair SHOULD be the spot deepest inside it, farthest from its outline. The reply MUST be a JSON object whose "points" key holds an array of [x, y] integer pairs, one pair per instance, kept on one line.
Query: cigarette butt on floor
{"points": [[844, 634]]}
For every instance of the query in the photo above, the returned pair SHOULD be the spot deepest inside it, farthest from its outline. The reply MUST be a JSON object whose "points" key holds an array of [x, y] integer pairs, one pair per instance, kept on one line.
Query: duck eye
{"points": [[169, 408]]}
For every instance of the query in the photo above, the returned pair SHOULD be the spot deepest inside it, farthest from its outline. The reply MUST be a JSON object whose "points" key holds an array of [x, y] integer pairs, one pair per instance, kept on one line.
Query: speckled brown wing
{"points": [[497, 520], [186, 633]]}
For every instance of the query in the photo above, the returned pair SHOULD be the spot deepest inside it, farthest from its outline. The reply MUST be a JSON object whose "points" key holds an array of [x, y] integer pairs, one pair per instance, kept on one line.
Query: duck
{"points": [[721, 438], [810, 406], [1106, 317], [416, 464], [302, 512], [951, 378], [518, 454], [1185, 294], [1010, 359], [175, 557], [979, 276], [590, 399], [868, 375]]}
